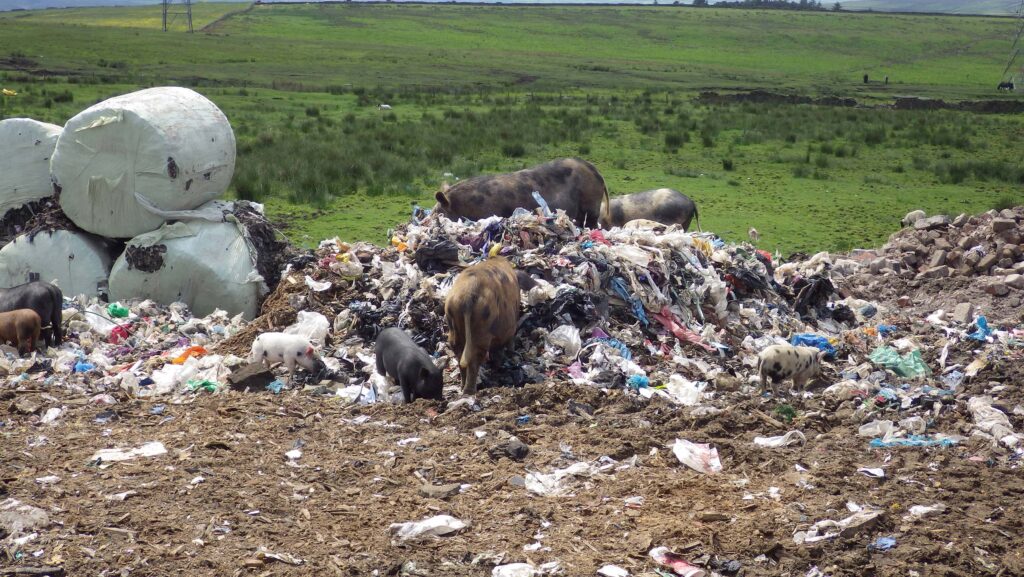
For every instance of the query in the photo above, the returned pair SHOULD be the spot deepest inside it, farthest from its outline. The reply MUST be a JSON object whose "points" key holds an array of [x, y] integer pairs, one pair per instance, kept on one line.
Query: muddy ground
{"points": [[225, 488]]}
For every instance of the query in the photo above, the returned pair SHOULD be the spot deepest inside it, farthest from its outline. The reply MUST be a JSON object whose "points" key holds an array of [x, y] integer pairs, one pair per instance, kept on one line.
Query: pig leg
{"points": [[471, 373], [289, 363], [407, 389]]}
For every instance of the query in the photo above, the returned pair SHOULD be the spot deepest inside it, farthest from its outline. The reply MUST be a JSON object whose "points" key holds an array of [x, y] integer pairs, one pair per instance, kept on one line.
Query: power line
{"points": [[181, 8]]}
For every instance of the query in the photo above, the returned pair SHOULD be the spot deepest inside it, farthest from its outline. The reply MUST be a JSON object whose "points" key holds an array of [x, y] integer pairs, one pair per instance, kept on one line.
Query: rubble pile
{"points": [[986, 247]]}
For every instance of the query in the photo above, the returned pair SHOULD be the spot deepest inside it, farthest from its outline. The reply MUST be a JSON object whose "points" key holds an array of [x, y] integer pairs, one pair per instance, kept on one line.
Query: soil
{"points": [[225, 488]]}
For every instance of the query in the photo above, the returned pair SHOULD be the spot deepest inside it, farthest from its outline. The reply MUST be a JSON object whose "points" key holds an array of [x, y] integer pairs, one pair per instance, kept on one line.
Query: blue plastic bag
{"points": [[983, 331], [619, 286], [812, 340]]}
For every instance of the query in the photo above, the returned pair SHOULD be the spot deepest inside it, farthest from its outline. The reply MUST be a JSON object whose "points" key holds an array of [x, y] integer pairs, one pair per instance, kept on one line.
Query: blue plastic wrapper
{"points": [[522, 419], [638, 382], [883, 544], [912, 441], [619, 286], [886, 330], [812, 340], [84, 367], [275, 387], [983, 331]]}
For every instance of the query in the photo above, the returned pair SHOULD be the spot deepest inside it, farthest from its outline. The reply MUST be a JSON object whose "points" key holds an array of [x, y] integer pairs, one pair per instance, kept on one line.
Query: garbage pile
{"points": [[633, 380], [147, 167]]}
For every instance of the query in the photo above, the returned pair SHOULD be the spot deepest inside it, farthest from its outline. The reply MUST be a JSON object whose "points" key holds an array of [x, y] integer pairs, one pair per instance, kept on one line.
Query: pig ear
{"points": [[441, 197], [445, 187], [424, 373]]}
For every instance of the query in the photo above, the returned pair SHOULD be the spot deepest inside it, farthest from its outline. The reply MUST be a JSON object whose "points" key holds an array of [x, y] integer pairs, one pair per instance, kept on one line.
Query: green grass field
{"points": [[483, 89]]}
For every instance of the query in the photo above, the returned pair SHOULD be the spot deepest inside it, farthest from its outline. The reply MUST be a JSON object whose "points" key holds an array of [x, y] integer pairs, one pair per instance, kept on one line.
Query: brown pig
{"points": [[482, 311], [20, 328]]}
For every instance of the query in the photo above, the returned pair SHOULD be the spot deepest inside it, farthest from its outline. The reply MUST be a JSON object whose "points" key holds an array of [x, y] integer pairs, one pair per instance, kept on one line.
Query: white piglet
{"points": [[292, 350], [780, 362]]}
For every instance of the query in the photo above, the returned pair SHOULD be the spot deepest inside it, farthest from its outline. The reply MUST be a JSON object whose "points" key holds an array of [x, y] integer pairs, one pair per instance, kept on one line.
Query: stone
{"points": [[936, 272], [904, 301], [964, 270], [877, 265], [439, 491], [1011, 250], [1013, 301], [963, 313], [1018, 265], [1005, 262], [1003, 224], [909, 260], [1008, 213], [253, 376], [517, 449], [988, 261], [961, 220], [997, 288], [933, 222], [953, 257], [1015, 281], [972, 258], [942, 244], [967, 242], [938, 259]]}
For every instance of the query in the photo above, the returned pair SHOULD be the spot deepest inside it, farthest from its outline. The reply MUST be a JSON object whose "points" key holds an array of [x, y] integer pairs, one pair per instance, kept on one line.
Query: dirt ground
{"points": [[225, 488]]}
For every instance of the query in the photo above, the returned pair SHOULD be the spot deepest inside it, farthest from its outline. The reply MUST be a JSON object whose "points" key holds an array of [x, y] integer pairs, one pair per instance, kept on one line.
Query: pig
{"points": [[292, 350], [481, 311], [571, 184], [44, 298], [21, 328], [662, 205], [780, 362], [912, 217], [400, 358]]}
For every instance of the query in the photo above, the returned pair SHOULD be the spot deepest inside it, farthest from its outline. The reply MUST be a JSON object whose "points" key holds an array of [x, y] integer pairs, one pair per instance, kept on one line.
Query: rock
{"points": [[988, 261], [961, 220], [1019, 265], [938, 259], [972, 258], [517, 481], [517, 449], [876, 266], [909, 260], [942, 244], [1003, 224], [1015, 281], [936, 272], [1005, 262], [1008, 213], [904, 301], [439, 491], [253, 376], [967, 242], [932, 222], [997, 288], [1010, 251], [1013, 301], [964, 270], [25, 406], [963, 313], [953, 257]]}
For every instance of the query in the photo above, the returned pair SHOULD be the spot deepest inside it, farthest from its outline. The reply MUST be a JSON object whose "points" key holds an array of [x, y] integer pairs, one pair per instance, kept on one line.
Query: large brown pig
{"points": [[662, 205], [482, 311], [20, 328], [570, 184]]}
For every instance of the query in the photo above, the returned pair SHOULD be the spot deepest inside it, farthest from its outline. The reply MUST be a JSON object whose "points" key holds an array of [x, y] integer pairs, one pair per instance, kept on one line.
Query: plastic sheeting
{"points": [[131, 162], [27, 146], [205, 265], [78, 262]]}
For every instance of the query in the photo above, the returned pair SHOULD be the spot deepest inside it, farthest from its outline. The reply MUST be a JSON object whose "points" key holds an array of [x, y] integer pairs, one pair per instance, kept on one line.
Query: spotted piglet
{"points": [[780, 362], [292, 350]]}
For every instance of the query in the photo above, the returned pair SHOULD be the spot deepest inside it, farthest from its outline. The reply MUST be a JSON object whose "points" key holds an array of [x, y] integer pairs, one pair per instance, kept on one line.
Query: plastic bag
{"points": [[700, 457], [991, 420], [567, 338], [813, 340], [666, 558], [983, 331], [909, 365], [437, 526], [311, 325], [781, 441], [683, 391]]}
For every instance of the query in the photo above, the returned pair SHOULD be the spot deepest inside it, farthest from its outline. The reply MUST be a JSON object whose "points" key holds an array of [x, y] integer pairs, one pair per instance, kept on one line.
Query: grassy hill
{"points": [[990, 7], [482, 89]]}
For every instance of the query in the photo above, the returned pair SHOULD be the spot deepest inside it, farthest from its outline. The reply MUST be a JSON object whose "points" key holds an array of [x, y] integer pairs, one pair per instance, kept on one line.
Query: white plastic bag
{"points": [[437, 526], [566, 338], [781, 441], [311, 325], [700, 457]]}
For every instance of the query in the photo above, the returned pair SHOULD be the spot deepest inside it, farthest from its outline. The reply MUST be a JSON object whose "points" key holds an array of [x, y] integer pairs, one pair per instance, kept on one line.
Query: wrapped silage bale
{"points": [[79, 262], [26, 146], [206, 265], [127, 164]]}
